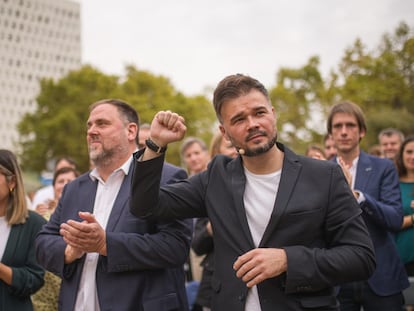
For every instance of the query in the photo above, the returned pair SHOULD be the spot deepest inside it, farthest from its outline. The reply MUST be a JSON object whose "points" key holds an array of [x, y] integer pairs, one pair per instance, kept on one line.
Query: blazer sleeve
{"points": [[50, 246], [166, 247], [202, 241], [184, 199], [27, 275], [348, 245], [385, 209], [164, 243]]}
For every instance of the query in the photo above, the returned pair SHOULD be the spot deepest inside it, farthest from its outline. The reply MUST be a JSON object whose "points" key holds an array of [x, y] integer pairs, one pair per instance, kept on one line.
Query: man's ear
{"points": [[132, 131], [223, 131]]}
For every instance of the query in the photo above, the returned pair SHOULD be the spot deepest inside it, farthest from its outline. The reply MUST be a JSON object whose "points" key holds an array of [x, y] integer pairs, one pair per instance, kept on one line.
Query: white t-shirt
{"points": [[4, 234], [259, 200]]}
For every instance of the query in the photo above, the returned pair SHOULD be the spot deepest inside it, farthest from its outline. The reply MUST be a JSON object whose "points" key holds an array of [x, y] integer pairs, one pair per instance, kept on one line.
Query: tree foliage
{"points": [[380, 81], [58, 126]]}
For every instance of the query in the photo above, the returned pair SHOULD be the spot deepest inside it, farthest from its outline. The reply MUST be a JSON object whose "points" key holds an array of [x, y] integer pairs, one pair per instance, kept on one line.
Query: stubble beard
{"points": [[253, 152]]}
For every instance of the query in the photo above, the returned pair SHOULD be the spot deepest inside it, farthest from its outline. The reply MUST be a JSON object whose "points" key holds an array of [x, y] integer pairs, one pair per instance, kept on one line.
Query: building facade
{"points": [[38, 39]]}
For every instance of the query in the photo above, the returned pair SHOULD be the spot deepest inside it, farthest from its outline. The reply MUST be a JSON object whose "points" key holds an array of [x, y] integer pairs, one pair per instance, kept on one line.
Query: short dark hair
{"points": [[234, 86], [64, 170], [350, 108], [390, 132]]}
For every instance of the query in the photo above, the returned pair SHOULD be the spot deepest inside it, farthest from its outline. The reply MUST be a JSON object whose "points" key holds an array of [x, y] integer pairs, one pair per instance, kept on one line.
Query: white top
{"points": [[259, 200], [42, 196], [4, 234], [87, 297]]}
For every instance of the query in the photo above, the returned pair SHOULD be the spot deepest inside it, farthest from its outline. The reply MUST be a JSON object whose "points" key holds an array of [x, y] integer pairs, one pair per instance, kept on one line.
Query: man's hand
{"points": [[260, 264], [167, 127], [87, 236], [71, 254], [345, 170]]}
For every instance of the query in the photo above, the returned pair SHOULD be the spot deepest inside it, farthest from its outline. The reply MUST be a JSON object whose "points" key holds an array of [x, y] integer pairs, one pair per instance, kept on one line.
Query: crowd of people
{"points": [[332, 229]]}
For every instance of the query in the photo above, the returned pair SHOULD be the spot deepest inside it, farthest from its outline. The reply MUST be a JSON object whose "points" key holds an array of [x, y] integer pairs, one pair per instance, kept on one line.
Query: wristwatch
{"points": [[154, 147]]}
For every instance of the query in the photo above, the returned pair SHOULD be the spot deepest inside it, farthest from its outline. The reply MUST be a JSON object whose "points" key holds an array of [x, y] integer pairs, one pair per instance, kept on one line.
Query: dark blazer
{"points": [[378, 180], [134, 274], [19, 254], [203, 244], [315, 219]]}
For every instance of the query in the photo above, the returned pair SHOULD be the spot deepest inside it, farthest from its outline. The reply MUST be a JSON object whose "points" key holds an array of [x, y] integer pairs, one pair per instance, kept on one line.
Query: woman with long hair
{"points": [[20, 274]]}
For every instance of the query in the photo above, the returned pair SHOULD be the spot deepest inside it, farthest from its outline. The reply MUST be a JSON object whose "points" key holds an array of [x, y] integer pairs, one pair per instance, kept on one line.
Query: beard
{"points": [[100, 157], [256, 151], [252, 152]]}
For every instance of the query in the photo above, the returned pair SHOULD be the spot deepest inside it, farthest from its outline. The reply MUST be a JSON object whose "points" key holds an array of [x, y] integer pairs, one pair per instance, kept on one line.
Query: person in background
{"points": [[45, 194], [286, 228], [108, 259], [20, 273], [374, 184], [202, 243], [194, 154], [390, 140], [61, 177], [405, 237], [143, 135], [329, 147], [46, 299], [315, 151], [220, 145], [375, 150]]}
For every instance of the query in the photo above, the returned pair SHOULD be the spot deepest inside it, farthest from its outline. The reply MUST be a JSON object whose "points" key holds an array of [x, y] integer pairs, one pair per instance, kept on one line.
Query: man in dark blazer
{"points": [[375, 185], [286, 228], [107, 258]]}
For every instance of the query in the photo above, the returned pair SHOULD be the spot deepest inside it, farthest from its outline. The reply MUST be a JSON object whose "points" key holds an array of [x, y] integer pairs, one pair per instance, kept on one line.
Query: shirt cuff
{"points": [[361, 197]]}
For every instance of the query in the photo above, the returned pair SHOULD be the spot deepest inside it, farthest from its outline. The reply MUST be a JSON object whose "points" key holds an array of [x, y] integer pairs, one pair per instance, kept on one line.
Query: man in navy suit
{"points": [[107, 258], [286, 228], [374, 183]]}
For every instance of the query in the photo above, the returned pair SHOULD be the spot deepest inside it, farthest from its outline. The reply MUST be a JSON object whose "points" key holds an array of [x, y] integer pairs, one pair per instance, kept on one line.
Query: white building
{"points": [[38, 39]]}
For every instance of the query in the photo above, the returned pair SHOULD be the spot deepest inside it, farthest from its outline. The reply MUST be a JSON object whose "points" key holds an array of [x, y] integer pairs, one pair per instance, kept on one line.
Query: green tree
{"points": [[381, 82], [299, 97], [58, 126], [150, 94]]}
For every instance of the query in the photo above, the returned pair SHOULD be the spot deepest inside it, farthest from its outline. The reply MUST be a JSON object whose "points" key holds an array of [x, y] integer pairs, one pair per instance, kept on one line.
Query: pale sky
{"points": [[197, 43]]}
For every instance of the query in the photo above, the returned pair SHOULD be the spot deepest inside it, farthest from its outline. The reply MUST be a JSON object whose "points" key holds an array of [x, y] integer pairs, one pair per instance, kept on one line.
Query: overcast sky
{"points": [[197, 43]]}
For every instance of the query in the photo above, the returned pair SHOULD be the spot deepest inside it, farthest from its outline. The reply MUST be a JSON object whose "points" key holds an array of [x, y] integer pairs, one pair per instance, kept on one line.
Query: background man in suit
{"points": [[287, 228], [390, 140], [108, 259], [374, 182]]}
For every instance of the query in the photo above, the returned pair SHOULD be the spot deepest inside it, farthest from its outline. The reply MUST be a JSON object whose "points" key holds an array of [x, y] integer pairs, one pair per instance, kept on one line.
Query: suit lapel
{"points": [[120, 201], [290, 173], [238, 181], [363, 173], [87, 191]]}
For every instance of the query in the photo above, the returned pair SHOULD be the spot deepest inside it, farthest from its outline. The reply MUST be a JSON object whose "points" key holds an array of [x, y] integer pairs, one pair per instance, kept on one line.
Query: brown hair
{"points": [[16, 212], [64, 170], [234, 86], [349, 108]]}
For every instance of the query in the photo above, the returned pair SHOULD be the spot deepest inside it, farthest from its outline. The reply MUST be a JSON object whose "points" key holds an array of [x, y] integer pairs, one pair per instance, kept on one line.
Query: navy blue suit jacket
{"points": [[143, 269], [377, 179]]}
